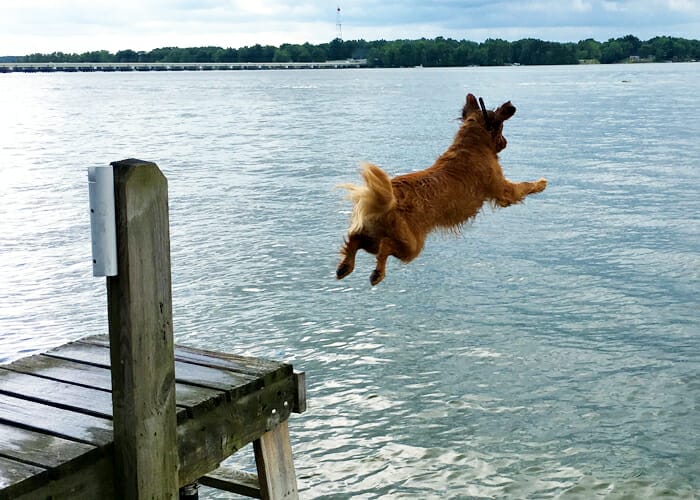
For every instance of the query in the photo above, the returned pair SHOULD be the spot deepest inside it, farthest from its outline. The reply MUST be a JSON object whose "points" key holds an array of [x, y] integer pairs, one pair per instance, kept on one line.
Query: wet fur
{"points": [[393, 216]]}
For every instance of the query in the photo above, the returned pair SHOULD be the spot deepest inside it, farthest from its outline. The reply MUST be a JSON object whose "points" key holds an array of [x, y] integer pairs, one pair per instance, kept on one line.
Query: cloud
{"points": [[81, 25], [686, 6]]}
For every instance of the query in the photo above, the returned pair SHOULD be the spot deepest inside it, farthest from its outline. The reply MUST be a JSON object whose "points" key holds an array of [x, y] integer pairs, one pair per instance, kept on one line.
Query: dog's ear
{"points": [[469, 106], [472, 103], [505, 111]]}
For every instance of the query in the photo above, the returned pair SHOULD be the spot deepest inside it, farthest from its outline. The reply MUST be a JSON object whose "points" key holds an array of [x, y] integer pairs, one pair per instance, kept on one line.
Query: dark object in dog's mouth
{"points": [[486, 115]]}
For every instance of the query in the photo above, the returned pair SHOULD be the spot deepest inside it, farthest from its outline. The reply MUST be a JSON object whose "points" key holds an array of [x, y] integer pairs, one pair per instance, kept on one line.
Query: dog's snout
{"points": [[502, 143]]}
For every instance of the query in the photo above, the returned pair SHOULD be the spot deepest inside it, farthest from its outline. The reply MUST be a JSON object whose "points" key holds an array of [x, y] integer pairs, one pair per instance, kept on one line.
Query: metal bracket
{"points": [[103, 221]]}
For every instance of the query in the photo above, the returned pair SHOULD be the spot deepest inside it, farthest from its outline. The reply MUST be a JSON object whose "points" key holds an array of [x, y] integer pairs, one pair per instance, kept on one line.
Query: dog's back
{"points": [[443, 196]]}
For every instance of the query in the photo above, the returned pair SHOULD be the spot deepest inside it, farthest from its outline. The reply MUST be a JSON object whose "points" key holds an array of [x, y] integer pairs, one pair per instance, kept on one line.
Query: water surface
{"points": [[550, 351]]}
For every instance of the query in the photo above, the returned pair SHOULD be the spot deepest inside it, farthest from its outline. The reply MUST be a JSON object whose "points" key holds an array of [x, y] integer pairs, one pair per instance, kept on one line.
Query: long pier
{"points": [[51, 67]]}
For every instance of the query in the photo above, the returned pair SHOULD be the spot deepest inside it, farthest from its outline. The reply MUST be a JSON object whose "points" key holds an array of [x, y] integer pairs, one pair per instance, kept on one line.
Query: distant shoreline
{"points": [[189, 67], [428, 53]]}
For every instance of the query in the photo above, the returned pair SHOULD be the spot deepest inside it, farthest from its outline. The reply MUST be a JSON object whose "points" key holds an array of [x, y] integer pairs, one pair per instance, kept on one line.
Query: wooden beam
{"points": [[89, 482], [234, 481], [208, 439], [300, 397], [141, 337], [273, 458]]}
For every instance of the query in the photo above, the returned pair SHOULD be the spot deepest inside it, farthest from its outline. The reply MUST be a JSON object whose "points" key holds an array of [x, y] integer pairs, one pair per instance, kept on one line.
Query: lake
{"points": [[550, 350]]}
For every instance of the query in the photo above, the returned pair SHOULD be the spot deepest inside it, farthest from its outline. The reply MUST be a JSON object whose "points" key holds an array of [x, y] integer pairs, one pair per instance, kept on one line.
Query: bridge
{"points": [[53, 67]]}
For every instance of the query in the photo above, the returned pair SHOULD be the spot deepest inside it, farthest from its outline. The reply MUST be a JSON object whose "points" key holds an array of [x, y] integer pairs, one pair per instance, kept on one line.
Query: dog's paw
{"points": [[540, 185], [343, 270], [376, 277]]}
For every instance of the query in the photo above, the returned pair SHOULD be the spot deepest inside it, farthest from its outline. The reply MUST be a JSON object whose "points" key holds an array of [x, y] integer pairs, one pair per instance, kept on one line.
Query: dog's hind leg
{"points": [[348, 251], [515, 192], [386, 248]]}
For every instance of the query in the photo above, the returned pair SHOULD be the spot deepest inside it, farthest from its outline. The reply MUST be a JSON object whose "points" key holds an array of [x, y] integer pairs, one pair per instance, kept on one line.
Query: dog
{"points": [[393, 216]]}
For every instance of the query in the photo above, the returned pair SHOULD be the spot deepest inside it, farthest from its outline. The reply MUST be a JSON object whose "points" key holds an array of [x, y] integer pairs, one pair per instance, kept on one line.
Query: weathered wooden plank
{"points": [[68, 464], [268, 371], [16, 477], [63, 371], [141, 336], [214, 436], [63, 395], [273, 458], [56, 421], [233, 362], [232, 480], [85, 353], [196, 399], [233, 383], [39, 449], [189, 373], [190, 397], [92, 481]]}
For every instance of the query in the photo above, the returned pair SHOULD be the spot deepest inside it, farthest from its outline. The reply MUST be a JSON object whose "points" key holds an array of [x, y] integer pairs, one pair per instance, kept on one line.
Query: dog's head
{"points": [[475, 112]]}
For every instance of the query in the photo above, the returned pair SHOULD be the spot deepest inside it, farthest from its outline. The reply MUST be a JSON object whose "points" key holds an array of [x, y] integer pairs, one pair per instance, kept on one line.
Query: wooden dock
{"points": [[56, 437], [130, 415]]}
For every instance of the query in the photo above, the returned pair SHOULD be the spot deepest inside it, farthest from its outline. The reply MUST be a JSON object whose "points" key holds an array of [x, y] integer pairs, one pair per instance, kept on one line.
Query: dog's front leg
{"points": [[515, 192]]}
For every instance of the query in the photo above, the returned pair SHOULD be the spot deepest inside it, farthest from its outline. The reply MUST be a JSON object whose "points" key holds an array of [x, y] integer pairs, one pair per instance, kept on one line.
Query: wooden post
{"points": [[141, 337], [273, 458]]}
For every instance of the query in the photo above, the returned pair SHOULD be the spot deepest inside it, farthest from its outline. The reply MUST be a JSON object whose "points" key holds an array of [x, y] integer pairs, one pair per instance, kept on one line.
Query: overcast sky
{"points": [[28, 26]]}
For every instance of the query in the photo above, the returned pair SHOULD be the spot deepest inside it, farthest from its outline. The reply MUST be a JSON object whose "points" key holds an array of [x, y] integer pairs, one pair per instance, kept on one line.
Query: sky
{"points": [[29, 26]]}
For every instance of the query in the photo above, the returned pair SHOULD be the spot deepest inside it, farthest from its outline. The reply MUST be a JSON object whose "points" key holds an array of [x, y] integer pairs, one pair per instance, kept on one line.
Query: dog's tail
{"points": [[372, 200]]}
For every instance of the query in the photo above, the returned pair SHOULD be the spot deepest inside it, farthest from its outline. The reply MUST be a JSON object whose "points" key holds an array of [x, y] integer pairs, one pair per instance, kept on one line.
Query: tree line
{"points": [[401, 53]]}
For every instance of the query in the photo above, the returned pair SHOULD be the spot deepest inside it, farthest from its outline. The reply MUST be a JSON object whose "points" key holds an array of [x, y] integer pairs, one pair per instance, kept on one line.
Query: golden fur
{"points": [[393, 216]]}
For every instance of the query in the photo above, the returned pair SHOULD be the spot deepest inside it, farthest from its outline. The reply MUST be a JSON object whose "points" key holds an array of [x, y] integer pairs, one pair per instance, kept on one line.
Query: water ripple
{"points": [[551, 351]]}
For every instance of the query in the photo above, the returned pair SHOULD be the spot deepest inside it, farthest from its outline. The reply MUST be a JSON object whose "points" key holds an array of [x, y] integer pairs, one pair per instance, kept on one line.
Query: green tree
{"points": [[98, 56], [297, 53], [336, 50], [497, 52], [228, 55], [407, 55], [126, 56], [318, 52], [630, 45], [529, 51], [466, 53], [611, 52], [281, 56], [588, 49], [427, 52]]}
